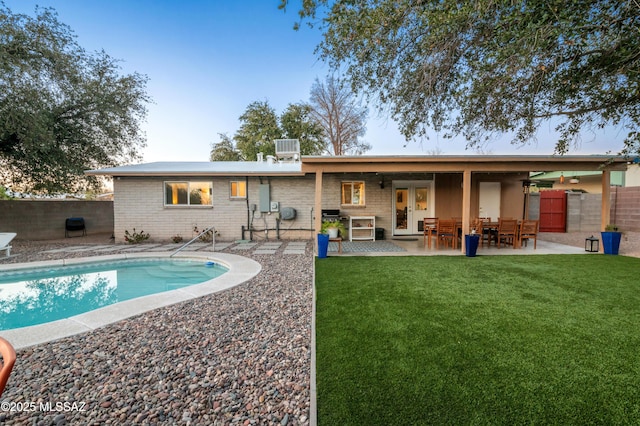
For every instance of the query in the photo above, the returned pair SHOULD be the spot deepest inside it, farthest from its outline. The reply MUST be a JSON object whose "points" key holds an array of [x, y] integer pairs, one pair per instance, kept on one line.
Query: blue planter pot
{"points": [[611, 242], [471, 244], [323, 245]]}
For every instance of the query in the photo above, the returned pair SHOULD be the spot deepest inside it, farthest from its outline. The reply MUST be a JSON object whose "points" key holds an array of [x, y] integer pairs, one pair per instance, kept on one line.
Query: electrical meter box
{"points": [[263, 191]]}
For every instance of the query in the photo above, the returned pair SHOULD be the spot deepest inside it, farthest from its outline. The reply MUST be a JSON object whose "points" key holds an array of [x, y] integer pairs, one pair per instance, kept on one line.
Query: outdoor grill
{"points": [[331, 215]]}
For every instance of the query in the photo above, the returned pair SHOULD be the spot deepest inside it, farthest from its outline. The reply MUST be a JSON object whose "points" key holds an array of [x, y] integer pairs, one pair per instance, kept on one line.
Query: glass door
{"points": [[401, 210], [413, 201]]}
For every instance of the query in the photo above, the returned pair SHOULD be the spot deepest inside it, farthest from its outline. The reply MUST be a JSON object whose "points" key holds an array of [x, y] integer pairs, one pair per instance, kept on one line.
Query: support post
{"points": [[605, 209], [466, 206], [317, 209]]}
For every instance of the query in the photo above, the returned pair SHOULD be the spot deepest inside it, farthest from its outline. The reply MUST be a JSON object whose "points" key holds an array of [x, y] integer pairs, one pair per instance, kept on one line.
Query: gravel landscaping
{"points": [[241, 356]]}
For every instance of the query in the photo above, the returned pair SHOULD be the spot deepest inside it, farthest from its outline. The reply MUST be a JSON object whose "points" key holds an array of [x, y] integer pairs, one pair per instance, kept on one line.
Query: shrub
{"points": [[135, 237]]}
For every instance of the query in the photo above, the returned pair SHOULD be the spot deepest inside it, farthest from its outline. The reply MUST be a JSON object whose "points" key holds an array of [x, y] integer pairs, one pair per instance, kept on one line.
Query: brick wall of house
{"points": [[227, 215]]}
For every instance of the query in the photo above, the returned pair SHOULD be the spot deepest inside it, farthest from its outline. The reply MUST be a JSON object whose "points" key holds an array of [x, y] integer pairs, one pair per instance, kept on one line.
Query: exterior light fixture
{"points": [[574, 180], [592, 244], [561, 178]]}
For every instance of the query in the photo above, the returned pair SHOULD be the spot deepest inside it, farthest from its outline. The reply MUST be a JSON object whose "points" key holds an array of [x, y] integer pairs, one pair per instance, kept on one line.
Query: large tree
{"points": [[62, 110], [260, 126], [335, 108], [297, 123], [486, 67], [224, 150]]}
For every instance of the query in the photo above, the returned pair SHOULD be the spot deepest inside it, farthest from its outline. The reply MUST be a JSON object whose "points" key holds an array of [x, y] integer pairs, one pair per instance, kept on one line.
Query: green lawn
{"points": [[487, 340]]}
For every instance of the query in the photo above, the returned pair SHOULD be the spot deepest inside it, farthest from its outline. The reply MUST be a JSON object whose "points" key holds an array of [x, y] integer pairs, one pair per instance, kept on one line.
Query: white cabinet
{"points": [[362, 228]]}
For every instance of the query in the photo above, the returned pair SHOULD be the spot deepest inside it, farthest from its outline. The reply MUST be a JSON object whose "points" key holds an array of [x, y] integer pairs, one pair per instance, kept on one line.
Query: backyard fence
{"points": [[583, 209], [45, 219]]}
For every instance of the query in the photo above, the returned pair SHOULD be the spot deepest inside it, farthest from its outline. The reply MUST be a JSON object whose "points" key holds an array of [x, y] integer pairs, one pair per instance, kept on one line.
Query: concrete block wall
{"points": [[574, 211], [625, 208], [45, 219], [590, 217]]}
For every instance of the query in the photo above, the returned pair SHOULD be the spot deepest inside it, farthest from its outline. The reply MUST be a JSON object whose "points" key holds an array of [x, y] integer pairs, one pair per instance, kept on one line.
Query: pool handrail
{"points": [[8, 360], [213, 233]]}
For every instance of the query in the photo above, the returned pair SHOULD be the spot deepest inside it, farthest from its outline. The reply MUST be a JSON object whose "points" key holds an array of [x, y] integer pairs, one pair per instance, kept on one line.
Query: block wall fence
{"points": [[583, 210], [45, 219]]}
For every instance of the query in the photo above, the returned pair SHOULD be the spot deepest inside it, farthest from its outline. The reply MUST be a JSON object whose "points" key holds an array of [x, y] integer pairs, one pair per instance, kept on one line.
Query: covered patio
{"points": [[457, 182]]}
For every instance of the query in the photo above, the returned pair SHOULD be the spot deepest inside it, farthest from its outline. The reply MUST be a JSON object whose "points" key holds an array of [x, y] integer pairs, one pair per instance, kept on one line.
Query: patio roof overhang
{"points": [[460, 163]]}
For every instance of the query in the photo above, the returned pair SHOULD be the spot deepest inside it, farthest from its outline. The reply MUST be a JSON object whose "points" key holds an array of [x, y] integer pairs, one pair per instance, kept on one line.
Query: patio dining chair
{"points": [[429, 229], [475, 227], [528, 230], [507, 232], [8, 359], [447, 232], [484, 230]]}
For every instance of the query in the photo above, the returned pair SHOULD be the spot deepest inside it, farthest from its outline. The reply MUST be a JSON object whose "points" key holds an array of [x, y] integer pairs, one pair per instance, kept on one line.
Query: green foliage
{"points": [[490, 340], [224, 150], [3, 194], [260, 126], [611, 228], [135, 237], [297, 123], [62, 110], [334, 224], [483, 68]]}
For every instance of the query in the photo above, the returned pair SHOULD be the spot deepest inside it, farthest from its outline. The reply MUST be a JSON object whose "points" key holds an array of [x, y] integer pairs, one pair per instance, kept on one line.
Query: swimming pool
{"points": [[30, 297], [240, 269]]}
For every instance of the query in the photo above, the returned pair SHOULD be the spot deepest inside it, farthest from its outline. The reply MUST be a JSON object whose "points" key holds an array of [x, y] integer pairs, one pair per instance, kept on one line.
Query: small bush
{"points": [[135, 237], [206, 237]]}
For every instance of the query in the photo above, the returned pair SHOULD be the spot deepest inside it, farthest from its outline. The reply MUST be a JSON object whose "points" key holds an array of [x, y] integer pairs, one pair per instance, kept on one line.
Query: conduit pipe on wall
{"points": [[244, 229]]}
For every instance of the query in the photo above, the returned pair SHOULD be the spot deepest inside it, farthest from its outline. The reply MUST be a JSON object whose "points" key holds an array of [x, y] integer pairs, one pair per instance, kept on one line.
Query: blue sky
{"points": [[207, 60]]}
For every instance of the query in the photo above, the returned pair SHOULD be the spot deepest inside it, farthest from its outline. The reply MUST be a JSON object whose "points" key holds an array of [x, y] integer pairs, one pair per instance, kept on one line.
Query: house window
{"points": [[353, 193], [238, 189], [188, 193]]}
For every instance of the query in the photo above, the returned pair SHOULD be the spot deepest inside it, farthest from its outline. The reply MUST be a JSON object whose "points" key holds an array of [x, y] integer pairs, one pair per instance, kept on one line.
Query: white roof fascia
{"points": [[204, 168]]}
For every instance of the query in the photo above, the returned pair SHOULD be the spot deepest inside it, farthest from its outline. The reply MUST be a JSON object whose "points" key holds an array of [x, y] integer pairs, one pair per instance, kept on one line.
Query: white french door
{"points": [[413, 200]]}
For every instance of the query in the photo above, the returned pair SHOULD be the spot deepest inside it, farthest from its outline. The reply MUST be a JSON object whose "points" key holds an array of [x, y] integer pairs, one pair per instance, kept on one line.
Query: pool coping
{"points": [[241, 269]]}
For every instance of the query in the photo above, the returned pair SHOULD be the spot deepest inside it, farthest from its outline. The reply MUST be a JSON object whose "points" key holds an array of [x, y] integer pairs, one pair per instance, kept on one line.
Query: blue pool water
{"points": [[37, 296]]}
